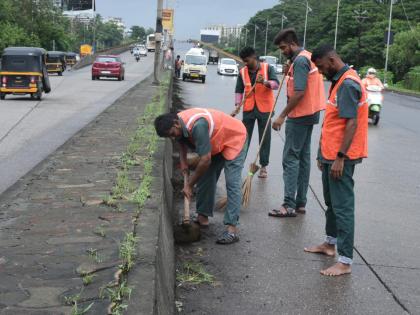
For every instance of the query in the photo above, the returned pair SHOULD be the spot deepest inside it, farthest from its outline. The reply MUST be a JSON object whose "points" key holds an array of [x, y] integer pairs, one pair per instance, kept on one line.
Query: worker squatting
{"points": [[221, 141]]}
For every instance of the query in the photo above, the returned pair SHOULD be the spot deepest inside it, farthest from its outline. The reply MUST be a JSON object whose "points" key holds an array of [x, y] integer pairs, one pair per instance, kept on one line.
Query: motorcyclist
{"points": [[137, 54], [372, 79]]}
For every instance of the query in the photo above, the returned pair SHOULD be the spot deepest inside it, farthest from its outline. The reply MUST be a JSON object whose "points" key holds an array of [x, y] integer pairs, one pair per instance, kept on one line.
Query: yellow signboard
{"points": [[85, 50], [168, 20]]}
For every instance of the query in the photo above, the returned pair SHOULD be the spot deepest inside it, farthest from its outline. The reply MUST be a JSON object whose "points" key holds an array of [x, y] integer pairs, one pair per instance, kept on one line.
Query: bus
{"points": [[150, 42]]}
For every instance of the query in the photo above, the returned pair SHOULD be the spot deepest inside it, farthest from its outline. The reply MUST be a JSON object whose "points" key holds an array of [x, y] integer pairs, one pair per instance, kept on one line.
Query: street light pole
{"points": [[283, 18], [388, 40], [266, 37], [158, 40], [255, 33], [336, 25], [246, 36], [306, 23]]}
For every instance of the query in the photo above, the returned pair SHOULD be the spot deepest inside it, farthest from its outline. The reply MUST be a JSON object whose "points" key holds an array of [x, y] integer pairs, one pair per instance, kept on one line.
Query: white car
{"points": [[227, 66], [142, 50]]}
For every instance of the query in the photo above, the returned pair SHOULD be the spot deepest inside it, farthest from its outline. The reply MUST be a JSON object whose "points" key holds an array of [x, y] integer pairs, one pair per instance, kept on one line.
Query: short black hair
{"points": [[247, 52], [287, 35], [164, 123], [321, 52]]}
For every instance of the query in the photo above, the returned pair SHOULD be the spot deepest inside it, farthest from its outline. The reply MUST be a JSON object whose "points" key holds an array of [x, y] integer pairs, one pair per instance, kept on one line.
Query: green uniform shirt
{"points": [[301, 68], [240, 86], [348, 96], [200, 136]]}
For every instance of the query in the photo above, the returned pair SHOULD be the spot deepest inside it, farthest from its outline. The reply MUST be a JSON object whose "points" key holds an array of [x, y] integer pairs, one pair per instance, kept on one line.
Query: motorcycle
{"points": [[137, 58], [375, 101]]}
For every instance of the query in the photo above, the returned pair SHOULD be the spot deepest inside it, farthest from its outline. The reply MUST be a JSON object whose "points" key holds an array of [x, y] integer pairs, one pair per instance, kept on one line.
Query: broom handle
{"points": [[269, 117], [237, 110], [186, 218]]}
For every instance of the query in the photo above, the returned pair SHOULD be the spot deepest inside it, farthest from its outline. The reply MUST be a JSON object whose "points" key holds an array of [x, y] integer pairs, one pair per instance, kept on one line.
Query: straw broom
{"points": [[253, 167]]}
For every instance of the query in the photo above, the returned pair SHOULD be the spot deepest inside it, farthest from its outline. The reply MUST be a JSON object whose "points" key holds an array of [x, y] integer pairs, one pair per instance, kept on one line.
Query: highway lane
{"points": [[31, 130], [278, 275]]}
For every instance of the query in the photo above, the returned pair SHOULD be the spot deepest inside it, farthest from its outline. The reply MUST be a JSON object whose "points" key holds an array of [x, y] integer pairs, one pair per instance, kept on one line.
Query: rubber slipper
{"points": [[277, 213], [227, 238], [203, 226]]}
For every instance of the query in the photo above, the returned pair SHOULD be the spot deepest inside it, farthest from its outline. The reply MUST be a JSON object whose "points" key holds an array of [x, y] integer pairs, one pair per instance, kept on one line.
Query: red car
{"points": [[109, 66]]}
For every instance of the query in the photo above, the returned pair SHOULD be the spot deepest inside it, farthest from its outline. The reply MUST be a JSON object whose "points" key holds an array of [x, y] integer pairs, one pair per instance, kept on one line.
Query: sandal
{"points": [[196, 221], [227, 238], [278, 214], [301, 210], [263, 173]]}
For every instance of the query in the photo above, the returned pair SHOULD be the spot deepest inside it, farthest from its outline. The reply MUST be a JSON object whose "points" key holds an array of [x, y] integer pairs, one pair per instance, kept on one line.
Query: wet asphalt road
{"points": [[267, 272], [31, 130]]}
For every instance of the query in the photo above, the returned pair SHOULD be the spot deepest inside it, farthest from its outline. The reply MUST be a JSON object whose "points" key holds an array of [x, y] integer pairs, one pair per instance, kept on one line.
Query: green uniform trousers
{"points": [[296, 164], [206, 186], [249, 118], [339, 199]]}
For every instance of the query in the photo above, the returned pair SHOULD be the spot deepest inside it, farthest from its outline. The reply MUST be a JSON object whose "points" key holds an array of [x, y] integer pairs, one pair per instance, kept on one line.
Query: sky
{"points": [[190, 15]]}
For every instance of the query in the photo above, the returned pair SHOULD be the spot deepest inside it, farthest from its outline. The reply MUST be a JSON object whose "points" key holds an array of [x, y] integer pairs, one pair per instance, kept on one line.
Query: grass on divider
{"points": [[194, 273]]}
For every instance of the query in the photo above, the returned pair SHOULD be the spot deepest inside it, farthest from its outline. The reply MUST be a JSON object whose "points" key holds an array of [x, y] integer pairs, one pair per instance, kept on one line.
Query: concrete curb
{"points": [[153, 277]]}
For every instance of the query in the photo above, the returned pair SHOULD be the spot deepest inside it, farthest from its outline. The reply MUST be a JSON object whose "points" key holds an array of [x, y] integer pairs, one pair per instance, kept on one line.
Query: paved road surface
{"points": [[267, 272], [31, 130]]}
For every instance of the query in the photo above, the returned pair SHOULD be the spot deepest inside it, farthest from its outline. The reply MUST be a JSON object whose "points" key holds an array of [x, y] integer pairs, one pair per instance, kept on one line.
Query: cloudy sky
{"points": [[190, 15]]}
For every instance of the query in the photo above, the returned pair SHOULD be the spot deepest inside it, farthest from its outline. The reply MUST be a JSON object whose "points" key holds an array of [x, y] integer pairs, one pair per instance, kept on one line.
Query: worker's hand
{"points": [[188, 191], [319, 164], [286, 68], [260, 78], [337, 168], [236, 111], [278, 123]]}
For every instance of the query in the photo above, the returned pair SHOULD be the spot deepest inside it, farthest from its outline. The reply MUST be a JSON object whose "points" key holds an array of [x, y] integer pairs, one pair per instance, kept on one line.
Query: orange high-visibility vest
{"points": [[333, 128], [227, 134], [313, 99], [262, 96]]}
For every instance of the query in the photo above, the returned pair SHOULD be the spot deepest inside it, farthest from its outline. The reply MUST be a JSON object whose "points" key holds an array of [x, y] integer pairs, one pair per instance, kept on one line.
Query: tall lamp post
{"points": [[388, 40], [266, 37], [336, 24], [308, 9], [283, 18], [255, 33], [158, 39]]}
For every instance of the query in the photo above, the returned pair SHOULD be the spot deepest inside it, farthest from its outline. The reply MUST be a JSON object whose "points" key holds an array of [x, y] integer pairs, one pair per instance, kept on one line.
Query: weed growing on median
{"points": [[194, 273], [128, 251], [87, 279], [93, 253], [116, 295]]}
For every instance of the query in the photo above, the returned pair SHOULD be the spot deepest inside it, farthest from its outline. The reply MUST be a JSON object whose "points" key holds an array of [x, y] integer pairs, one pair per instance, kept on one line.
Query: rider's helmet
{"points": [[371, 71]]}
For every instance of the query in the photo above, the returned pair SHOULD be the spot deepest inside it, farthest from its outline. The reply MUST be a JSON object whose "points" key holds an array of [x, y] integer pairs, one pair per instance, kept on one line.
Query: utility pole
{"points": [[158, 39], [308, 9], [266, 37], [53, 44], [388, 39], [255, 33], [360, 17], [246, 36], [283, 18], [336, 25]]}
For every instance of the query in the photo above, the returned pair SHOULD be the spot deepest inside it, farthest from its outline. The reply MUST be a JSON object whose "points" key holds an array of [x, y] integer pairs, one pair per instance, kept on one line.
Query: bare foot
{"points": [[337, 269], [324, 248]]}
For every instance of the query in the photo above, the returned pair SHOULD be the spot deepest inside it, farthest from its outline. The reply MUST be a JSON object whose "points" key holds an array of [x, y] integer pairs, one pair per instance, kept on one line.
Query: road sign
{"points": [[168, 20]]}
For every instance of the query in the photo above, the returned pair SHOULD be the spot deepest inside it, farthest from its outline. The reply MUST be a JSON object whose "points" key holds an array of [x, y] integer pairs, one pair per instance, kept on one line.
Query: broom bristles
{"points": [[246, 189]]}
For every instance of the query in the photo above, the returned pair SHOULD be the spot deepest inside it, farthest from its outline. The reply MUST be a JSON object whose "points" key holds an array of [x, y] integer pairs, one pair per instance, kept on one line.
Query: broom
{"points": [[253, 167]]}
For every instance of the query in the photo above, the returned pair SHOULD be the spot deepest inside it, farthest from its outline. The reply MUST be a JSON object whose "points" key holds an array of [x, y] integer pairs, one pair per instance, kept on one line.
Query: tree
{"points": [[138, 32]]}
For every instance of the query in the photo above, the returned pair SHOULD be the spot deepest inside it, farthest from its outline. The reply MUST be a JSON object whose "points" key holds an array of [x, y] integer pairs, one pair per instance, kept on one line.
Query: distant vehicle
{"points": [[142, 50], [56, 62], [375, 100], [273, 61], [213, 56], [150, 42], [23, 71], [227, 66], [195, 65], [108, 66], [71, 58], [86, 50], [210, 36]]}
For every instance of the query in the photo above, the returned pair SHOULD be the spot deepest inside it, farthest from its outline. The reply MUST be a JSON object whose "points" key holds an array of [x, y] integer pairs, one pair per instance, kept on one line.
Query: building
{"points": [[115, 20], [226, 31]]}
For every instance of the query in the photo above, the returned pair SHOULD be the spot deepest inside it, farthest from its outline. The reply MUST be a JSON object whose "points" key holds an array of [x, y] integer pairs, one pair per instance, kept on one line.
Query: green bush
{"points": [[412, 79]]}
